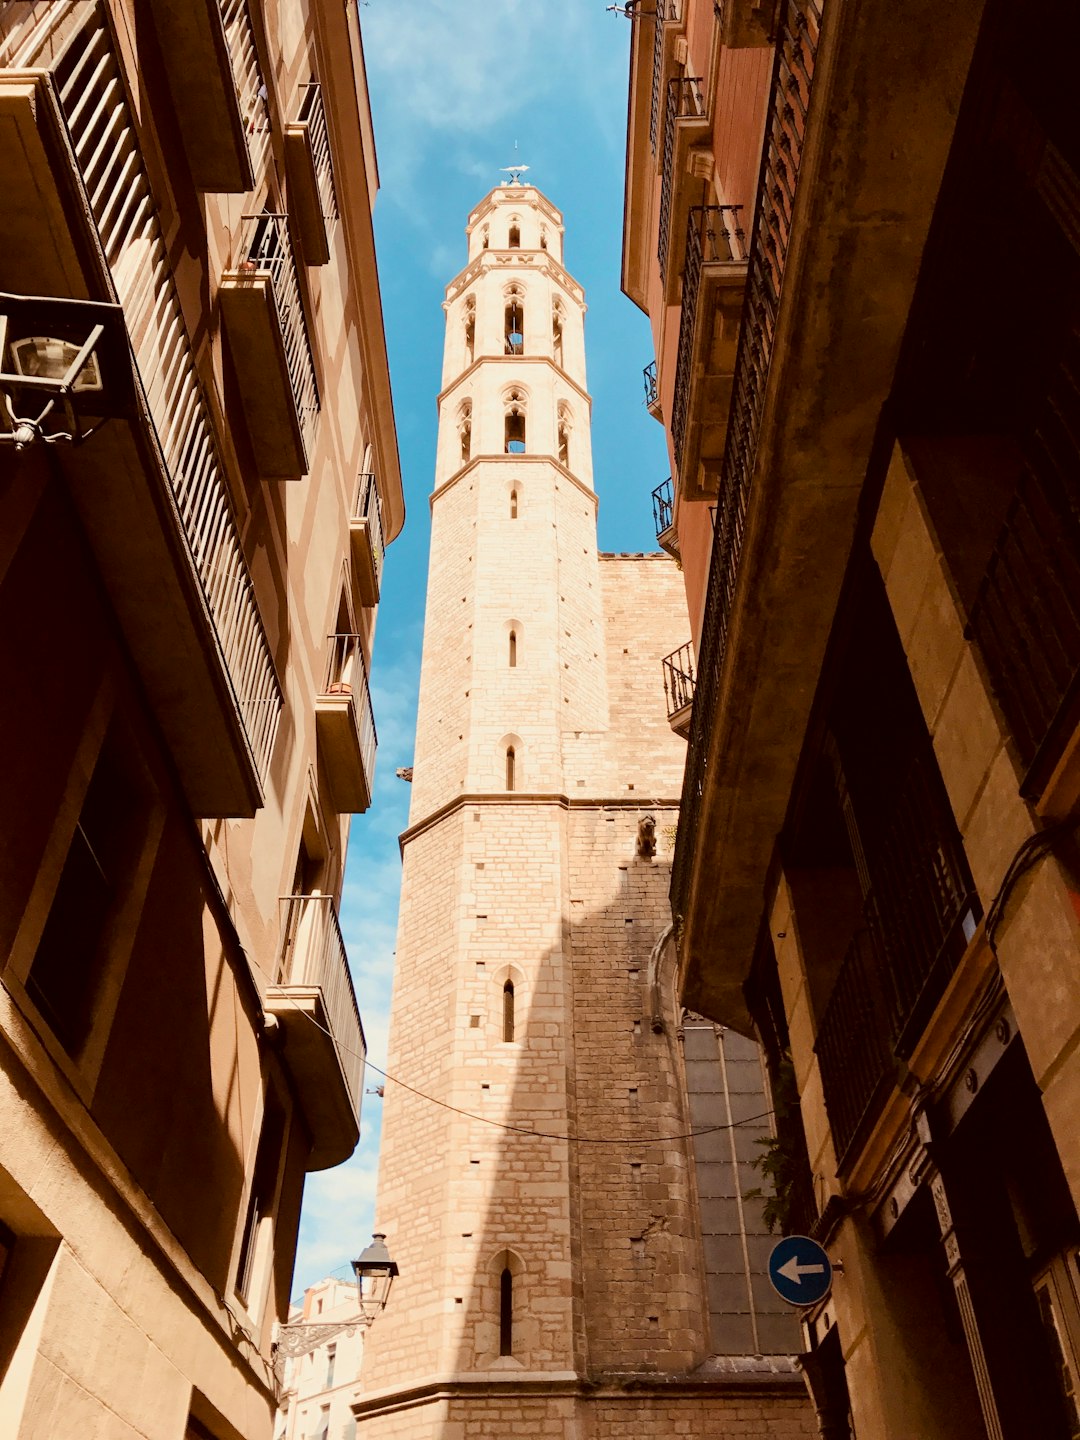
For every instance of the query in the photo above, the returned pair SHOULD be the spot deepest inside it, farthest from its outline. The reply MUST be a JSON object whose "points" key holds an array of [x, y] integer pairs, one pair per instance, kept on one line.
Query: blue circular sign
{"points": [[799, 1270]]}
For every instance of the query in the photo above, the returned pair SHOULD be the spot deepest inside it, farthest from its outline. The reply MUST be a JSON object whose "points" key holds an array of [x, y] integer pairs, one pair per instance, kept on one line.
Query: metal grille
{"points": [[250, 87], [346, 674], [679, 678], [265, 245], [713, 234], [663, 506], [313, 116], [313, 954], [652, 394], [665, 10], [853, 1042], [368, 507], [95, 106], [798, 31], [1026, 614], [684, 97]]}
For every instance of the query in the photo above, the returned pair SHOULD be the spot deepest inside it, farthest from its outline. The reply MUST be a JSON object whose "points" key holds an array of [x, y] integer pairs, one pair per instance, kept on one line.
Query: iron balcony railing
{"points": [[1026, 615], [105, 142], [369, 507], [652, 393], [313, 116], [665, 11], [684, 98], [663, 507], [714, 235], [313, 955], [265, 245], [798, 29], [346, 674], [679, 678], [919, 912], [250, 87]]}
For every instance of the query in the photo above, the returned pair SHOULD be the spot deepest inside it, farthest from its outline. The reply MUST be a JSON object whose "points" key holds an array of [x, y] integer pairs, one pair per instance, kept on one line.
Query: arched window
{"points": [[515, 237], [513, 505], [564, 437], [543, 238], [515, 324], [556, 336], [465, 431], [484, 238], [515, 424], [506, 1312], [470, 331], [513, 649], [510, 766], [508, 1011]]}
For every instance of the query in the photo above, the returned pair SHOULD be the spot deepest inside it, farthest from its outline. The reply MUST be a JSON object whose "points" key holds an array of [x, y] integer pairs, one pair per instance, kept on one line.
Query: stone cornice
{"points": [[460, 475], [542, 262], [522, 360], [552, 799]]}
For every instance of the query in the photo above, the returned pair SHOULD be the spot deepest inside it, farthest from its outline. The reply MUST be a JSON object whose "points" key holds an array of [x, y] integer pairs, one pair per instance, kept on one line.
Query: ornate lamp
{"points": [[374, 1273]]}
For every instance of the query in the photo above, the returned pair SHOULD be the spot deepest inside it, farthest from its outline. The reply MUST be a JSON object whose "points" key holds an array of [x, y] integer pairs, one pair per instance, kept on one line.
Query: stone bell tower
{"points": [[533, 1186]]}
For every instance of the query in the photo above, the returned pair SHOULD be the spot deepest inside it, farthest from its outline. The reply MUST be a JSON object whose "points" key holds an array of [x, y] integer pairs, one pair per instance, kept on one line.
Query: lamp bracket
{"points": [[303, 1336]]}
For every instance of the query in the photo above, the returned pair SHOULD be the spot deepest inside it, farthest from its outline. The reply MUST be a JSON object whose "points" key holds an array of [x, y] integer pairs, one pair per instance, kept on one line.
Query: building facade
{"points": [[186, 217], [320, 1387], [875, 871], [569, 1264]]}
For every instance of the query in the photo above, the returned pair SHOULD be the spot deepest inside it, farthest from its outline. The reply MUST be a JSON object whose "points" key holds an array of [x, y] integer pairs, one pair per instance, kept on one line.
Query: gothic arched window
{"points": [[514, 428], [508, 1012], [506, 1312], [515, 236], [514, 329]]}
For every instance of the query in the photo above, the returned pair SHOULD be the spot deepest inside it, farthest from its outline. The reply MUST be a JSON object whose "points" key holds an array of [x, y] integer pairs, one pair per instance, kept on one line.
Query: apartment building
{"points": [[869, 379], [198, 474]]}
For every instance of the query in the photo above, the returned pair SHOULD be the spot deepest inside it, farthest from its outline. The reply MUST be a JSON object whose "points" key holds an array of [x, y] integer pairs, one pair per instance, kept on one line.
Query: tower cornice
{"points": [[524, 361], [555, 799], [514, 460], [516, 195], [541, 261]]}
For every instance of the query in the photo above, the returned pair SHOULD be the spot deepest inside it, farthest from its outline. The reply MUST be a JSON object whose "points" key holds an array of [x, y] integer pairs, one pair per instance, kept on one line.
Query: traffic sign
{"points": [[799, 1270]]}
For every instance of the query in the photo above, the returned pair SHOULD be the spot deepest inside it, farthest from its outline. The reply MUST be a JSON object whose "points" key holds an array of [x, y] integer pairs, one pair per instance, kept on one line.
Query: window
{"points": [[513, 505], [506, 1312], [514, 334], [484, 238], [510, 766], [71, 956], [508, 1012], [465, 431], [322, 1427], [515, 237], [543, 238], [470, 331], [331, 1361], [556, 336], [564, 436], [515, 424], [258, 1218], [513, 649]]}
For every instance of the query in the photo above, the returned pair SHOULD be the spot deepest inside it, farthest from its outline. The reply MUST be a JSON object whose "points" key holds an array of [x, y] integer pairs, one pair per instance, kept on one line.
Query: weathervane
{"points": [[514, 171]]}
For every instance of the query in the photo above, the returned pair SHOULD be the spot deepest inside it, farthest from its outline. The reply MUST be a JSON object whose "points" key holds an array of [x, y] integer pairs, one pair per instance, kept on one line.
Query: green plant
{"points": [[782, 1160]]}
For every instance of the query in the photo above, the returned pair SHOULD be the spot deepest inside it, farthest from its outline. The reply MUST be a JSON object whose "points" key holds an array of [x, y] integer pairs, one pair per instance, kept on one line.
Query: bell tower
{"points": [[536, 1186]]}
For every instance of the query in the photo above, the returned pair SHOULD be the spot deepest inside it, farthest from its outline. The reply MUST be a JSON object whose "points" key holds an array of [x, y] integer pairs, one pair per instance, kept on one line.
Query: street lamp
{"points": [[65, 368], [374, 1272]]}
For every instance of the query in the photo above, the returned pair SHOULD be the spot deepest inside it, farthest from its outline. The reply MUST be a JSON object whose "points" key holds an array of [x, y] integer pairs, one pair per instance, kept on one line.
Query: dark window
{"points": [[513, 649], [513, 505], [263, 1190], [556, 338], [515, 431], [515, 237], [510, 758], [508, 1011], [515, 328], [506, 1312]]}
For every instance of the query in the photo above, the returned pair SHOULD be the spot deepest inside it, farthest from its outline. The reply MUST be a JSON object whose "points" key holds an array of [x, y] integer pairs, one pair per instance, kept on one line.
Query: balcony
{"points": [[679, 688], [745, 23], [686, 128], [268, 337], [919, 912], [314, 1004], [310, 172], [668, 17], [366, 541], [714, 283], [652, 392], [663, 509], [345, 725], [149, 487], [208, 49]]}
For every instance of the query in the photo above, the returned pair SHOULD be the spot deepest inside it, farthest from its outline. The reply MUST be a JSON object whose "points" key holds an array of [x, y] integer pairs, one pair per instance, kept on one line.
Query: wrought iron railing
{"points": [[918, 914], [652, 393], [685, 97], [250, 87], [663, 506], [368, 507], [714, 235], [265, 245], [313, 954], [679, 678], [1026, 615], [799, 24], [665, 10], [346, 674], [313, 116], [105, 143]]}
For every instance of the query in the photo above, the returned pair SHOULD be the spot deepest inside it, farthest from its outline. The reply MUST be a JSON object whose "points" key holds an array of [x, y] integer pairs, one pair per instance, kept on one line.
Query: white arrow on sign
{"points": [[794, 1272]]}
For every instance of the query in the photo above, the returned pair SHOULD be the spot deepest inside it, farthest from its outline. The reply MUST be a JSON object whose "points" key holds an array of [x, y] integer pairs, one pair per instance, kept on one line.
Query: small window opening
{"points": [[484, 238], [260, 1206], [513, 649], [564, 443], [470, 334], [508, 1011], [465, 431], [331, 1361], [543, 238], [515, 327], [513, 505], [556, 338], [515, 237], [511, 759], [515, 430], [506, 1312]]}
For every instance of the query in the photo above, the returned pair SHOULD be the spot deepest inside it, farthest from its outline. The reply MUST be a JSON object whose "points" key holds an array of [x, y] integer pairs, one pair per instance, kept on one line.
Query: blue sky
{"points": [[453, 86]]}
